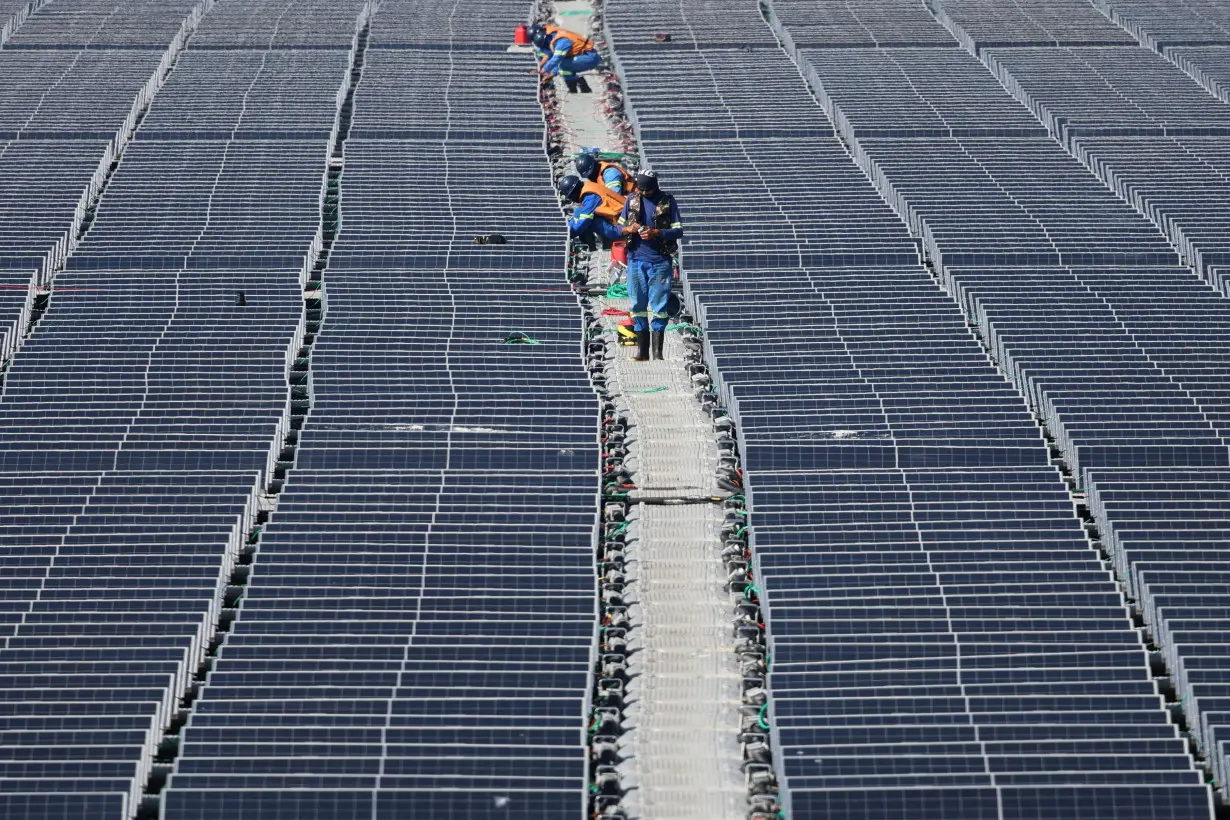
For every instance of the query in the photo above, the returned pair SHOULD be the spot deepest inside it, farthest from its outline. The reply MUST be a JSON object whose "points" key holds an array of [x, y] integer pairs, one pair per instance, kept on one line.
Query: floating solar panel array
{"points": [[945, 640], [113, 587], [843, 25], [982, 24], [1207, 65], [13, 13], [149, 24], [1115, 347], [142, 417], [1168, 540], [1109, 107], [71, 104], [1149, 132], [637, 26], [1161, 24], [415, 638]]}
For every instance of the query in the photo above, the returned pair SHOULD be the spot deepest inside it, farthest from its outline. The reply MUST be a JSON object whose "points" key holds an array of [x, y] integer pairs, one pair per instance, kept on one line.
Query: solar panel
{"points": [[912, 545], [1088, 335], [418, 628]]}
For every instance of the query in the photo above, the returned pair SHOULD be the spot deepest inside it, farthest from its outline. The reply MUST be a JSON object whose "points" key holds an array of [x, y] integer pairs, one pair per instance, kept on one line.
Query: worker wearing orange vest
{"points": [[598, 207], [608, 173], [566, 52]]}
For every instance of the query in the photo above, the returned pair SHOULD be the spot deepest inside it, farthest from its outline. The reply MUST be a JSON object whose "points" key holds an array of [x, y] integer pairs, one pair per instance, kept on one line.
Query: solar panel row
{"points": [[1148, 131], [1117, 353], [1160, 24], [416, 636], [142, 418], [69, 109], [944, 636]]}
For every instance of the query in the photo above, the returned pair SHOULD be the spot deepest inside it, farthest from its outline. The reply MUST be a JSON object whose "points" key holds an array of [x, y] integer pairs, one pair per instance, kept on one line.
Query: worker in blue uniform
{"points": [[566, 53], [590, 167], [651, 224], [597, 208]]}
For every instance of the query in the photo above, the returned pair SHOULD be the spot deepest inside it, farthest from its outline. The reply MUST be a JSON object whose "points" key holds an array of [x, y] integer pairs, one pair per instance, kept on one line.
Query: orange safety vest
{"points": [[580, 44], [629, 180], [612, 203]]}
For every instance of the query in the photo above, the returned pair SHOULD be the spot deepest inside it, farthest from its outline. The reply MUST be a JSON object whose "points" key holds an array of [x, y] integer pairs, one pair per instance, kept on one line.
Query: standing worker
{"points": [[566, 52], [650, 222], [613, 176], [598, 207]]}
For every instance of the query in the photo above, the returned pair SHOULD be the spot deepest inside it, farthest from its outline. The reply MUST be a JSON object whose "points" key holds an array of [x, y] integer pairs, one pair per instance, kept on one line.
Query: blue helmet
{"points": [[570, 188], [541, 38], [587, 166]]}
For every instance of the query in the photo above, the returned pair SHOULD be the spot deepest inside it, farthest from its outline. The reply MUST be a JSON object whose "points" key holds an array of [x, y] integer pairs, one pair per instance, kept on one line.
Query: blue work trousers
{"points": [[649, 288], [569, 67]]}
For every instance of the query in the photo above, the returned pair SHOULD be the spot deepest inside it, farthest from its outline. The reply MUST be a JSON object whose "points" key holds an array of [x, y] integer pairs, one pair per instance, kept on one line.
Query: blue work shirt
{"points": [[559, 51], [613, 178], [639, 249], [584, 218]]}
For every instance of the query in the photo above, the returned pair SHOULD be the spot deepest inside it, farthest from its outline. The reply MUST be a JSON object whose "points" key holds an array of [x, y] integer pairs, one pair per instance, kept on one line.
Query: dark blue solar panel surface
{"points": [[946, 641], [432, 552], [1114, 346], [917, 553]]}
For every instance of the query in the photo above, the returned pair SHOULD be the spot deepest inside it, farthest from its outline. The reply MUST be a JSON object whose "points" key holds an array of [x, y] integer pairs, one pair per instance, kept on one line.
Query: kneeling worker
{"points": [[650, 222], [597, 209], [566, 52], [613, 176]]}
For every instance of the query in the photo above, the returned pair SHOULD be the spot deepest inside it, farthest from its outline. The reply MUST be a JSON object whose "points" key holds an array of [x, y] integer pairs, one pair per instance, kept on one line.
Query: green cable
{"points": [[649, 390], [525, 338], [621, 528], [749, 591], [760, 721], [617, 290]]}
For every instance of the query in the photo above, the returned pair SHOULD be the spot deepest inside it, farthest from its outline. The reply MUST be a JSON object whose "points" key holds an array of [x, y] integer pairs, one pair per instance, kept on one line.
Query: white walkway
{"points": [[684, 751]]}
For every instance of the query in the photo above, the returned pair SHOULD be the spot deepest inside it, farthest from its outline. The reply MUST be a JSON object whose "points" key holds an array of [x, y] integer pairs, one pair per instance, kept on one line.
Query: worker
{"points": [[597, 207], [590, 167], [565, 52], [651, 225]]}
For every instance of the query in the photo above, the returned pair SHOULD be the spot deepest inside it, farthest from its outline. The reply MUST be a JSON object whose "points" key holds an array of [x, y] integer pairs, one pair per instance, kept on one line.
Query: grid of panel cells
{"points": [[968, 264], [415, 638], [1077, 285], [946, 641], [141, 419]]}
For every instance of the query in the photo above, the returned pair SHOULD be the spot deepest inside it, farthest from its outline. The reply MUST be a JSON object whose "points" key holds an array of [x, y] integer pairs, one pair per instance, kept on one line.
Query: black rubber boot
{"points": [[583, 85], [657, 338], [642, 346], [571, 82]]}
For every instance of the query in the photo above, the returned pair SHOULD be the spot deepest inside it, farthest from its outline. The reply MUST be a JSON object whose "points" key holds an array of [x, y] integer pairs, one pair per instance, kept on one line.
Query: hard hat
{"points": [[542, 39], [569, 188], [587, 166]]}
